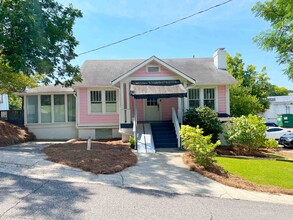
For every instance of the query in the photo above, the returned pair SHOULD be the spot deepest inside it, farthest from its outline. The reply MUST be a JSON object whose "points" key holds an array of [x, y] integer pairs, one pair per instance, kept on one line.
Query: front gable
{"points": [[153, 67]]}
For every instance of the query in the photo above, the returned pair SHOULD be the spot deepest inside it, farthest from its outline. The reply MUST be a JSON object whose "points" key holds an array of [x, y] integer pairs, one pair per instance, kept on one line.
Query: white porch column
{"points": [[128, 120], [180, 110], [122, 108]]}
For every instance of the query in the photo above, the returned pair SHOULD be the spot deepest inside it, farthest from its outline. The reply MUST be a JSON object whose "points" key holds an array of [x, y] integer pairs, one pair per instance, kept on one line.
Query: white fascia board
{"points": [[153, 58]]}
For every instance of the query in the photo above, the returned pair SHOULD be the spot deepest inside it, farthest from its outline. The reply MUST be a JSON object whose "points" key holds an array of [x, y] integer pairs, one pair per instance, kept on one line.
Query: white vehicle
{"points": [[276, 132]]}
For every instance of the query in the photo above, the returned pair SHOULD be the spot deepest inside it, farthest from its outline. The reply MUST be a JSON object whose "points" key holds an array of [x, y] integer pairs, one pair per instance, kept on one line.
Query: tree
{"points": [[279, 91], [280, 37], [243, 103], [11, 82], [252, 89], [36, 37]]}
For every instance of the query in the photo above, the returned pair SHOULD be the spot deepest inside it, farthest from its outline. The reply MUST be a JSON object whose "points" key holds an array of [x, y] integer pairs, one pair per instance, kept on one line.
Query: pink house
{"points": [[117, 96]]}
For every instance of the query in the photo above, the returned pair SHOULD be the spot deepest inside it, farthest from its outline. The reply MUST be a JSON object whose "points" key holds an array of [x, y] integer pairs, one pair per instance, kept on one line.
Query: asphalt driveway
{"points": [[163, 171]]}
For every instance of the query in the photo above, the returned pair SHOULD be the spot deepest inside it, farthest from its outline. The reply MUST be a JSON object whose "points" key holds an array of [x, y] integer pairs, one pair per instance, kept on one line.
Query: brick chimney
{"points": [[220, 58]]}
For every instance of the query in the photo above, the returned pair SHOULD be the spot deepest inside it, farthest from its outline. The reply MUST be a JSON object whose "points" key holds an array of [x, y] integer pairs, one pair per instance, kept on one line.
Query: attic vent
{"points": [[153, 69]]}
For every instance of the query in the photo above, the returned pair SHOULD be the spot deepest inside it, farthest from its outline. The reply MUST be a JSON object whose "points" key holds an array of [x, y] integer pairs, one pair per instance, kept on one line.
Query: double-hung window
{"points": [[103, 101], [96, 102], [194, 98], [209, 98], [111, 103]]}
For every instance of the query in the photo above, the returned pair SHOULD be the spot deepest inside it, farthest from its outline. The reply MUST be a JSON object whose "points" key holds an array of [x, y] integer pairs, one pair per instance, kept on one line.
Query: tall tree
{"points": [[280, 37], [36, 36], [249, 96]]}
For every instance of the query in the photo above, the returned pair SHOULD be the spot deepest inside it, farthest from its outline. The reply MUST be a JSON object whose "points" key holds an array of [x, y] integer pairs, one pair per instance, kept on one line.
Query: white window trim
{"points": [[147, 68], [201, 95], [103, 94]]}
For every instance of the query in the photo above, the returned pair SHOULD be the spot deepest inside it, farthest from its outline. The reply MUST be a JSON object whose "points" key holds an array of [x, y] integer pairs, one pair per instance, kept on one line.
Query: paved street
{"points": [[26, 198]]}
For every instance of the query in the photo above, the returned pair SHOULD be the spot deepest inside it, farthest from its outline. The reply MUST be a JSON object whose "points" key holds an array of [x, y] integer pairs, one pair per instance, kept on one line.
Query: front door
{"points": [[152, 110]]}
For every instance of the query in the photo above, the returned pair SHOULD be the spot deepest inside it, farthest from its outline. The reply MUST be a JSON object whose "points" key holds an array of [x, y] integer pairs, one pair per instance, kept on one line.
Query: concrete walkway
{"points": [[163, 171]]}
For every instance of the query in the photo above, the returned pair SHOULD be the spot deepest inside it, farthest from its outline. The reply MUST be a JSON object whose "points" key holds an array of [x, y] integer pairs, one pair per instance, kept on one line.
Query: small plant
{"points": [[132, 142], [246, 131], [200, 146], [205, 118], [271, 143]]}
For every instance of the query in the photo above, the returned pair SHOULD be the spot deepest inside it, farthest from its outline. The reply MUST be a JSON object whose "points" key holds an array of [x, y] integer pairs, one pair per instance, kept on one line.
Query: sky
{"points": [[231, 26]]}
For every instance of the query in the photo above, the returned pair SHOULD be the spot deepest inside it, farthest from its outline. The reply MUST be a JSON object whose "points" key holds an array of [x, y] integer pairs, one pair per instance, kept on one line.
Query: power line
{"points": [[155, 29]]}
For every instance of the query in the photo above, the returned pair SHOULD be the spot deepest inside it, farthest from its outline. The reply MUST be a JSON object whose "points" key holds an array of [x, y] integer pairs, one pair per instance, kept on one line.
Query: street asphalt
{"points": [[26, 198], [159, 187]]}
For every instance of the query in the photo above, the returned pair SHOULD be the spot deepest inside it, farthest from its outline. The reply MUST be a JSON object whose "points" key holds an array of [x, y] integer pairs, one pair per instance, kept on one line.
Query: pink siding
{"points": [[142, 71], [85, 118], [139, 107], [222, 99], [166, 106]]}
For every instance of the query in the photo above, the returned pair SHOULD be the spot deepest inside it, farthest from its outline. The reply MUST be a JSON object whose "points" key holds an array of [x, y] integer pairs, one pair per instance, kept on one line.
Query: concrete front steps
{"points": [[164, 135]]}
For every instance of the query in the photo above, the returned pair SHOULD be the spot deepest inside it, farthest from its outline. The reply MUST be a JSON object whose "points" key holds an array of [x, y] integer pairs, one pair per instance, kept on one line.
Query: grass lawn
{"points": [[265, 172]]}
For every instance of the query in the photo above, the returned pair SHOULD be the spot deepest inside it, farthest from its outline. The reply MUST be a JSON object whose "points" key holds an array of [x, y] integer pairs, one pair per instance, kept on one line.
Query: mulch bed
{"points": [[218, 174], [11, 134], [105, 156], [238, 151]]}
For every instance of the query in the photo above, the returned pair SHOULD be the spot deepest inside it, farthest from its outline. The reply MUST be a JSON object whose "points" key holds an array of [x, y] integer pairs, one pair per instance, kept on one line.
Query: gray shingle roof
{"points": [[103, 72], [47, 89]]}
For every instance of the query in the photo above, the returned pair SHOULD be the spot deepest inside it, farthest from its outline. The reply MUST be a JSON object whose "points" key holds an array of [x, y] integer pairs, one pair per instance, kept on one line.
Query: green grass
{"points": [[265, 172], [275, 156]]}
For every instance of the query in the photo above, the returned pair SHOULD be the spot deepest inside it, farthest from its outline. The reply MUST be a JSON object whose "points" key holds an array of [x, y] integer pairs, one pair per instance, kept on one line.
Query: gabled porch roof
{"points": [[161, 62]]}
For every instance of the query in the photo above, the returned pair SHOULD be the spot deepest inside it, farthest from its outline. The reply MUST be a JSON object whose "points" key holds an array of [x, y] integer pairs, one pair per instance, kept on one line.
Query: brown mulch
{"points": [[105, 156], [218, 174], [11, 134], [239, 151]]}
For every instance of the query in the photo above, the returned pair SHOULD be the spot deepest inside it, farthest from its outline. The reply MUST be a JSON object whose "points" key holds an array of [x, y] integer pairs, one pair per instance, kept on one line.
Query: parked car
{"points": [[276, 132], [271, 124], [286, 140]]}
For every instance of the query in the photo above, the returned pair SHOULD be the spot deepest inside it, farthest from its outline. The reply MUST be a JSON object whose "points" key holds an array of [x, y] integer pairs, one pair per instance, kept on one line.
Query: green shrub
{"points": [[246, 131], [132, 142], [271, 143], [199, 145], [205, 118]]}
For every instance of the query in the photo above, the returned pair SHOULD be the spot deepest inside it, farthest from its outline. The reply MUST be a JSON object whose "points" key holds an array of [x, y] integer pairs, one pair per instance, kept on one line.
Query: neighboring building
{"points": [[116, 95], [4, 102], [278, 105]]}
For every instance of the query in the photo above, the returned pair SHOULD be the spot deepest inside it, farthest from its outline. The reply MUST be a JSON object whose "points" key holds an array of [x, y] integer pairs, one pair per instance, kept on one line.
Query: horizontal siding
{"points": [[166, 106], [94, 119], [143, 73], [222, 99]]}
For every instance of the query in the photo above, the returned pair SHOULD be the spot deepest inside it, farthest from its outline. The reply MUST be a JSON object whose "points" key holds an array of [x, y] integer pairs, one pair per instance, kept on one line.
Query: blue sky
{"points": [[231, 26]]}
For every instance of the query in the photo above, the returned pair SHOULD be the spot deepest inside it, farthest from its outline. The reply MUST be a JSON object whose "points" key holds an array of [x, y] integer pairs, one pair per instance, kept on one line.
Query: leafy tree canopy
{"points": [[11, 82], [280, 37], [252, 89], [36, 37], [279, 91]]}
